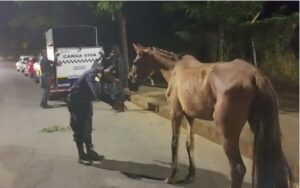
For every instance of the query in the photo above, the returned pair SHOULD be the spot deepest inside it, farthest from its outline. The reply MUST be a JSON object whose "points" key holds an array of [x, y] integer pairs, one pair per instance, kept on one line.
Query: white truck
{"points": [[74, 49]]}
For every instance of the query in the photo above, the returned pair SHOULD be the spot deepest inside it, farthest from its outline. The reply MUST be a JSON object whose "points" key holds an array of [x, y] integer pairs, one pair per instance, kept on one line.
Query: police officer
{"points": [[47, 71], [86, 89], [116, 63]]}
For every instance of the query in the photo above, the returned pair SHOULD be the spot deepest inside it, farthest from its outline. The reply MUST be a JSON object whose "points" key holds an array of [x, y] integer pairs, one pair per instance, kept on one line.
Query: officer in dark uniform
{"points": [[47, 71], [115, 62], [86, 89]]}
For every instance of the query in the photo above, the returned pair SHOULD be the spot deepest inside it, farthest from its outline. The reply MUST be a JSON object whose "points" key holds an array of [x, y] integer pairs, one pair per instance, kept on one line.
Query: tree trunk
{"points": [[122, 27], [221, 42], [253, 51]]}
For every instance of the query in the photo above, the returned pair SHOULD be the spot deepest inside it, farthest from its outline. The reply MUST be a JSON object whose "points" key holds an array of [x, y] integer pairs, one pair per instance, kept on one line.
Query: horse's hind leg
{"points": [[237, 167], [176, 119], [230, 117], [190, 148]]}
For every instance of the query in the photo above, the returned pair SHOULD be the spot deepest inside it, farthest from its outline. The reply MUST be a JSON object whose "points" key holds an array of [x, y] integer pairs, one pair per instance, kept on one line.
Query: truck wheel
{"points": [[51, 97]]}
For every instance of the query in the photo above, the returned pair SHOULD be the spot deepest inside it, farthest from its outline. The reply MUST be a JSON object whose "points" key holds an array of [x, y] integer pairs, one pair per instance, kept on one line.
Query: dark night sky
{"points": [[145, 20], [272, 7]]}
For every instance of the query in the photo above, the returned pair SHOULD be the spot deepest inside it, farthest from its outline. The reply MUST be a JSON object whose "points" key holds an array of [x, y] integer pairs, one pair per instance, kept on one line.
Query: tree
{"points": [[115, 8], [220, 14]]}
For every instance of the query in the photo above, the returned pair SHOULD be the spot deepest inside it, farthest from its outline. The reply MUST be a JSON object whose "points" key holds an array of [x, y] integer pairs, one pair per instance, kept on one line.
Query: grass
{"points": [[55, 128], [283, 70]]}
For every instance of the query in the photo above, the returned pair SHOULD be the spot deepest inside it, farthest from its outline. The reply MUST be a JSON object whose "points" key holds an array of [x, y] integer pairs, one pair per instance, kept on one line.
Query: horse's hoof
{"points": [[190, 178], [169, 180]]}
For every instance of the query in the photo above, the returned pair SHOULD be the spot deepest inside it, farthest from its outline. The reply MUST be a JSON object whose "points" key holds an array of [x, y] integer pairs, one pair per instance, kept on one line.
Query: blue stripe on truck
{"points": [[65, 83]]}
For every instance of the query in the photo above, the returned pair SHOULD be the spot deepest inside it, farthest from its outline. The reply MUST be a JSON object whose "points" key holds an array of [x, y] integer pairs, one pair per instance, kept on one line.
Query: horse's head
{"points": [[142, 67]]}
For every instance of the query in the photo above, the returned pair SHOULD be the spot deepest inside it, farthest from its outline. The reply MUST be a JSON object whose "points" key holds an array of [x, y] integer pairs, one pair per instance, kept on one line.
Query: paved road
{"points": [[136, 145]]}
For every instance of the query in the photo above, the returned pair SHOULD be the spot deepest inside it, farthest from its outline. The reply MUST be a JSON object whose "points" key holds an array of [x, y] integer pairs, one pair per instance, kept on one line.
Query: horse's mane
{"points": [[167, 54], [167, 58]]}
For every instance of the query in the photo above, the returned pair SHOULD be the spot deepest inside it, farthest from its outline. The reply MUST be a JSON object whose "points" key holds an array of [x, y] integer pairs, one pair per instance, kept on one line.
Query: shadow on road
{"points": [[52, 106], [140, 172], [128, 110], [58, 105]]}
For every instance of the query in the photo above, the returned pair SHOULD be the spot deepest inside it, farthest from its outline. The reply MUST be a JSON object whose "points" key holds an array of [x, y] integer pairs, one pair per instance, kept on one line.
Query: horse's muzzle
{"points": [[133, 85]]}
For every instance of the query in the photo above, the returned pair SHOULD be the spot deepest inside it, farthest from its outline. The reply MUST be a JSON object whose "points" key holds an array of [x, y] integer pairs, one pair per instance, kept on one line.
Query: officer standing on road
{"points": [[47, 71], [116, 63], [86, 89]]}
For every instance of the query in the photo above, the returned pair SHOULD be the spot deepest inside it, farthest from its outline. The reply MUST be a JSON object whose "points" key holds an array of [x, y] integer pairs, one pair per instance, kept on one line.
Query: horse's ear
{"points": [[137, 48], [140, 46]]}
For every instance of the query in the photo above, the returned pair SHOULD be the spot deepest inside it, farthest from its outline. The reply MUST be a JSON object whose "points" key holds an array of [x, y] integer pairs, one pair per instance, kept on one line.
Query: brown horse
{"points": [[229, 93]]}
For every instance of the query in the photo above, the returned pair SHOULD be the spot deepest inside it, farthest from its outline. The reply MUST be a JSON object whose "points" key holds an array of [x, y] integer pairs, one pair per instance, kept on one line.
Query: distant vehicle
{"points": [[75, 49], [24, 64], [29, 70], [19, 64]]}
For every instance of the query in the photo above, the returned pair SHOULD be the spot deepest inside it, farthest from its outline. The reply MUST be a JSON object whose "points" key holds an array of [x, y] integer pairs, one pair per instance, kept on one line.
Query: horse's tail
{"points": [[270, 167]]}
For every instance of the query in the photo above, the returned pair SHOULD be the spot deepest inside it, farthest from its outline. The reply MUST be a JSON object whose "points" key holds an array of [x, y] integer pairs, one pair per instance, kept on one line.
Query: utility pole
{"points": [[253, 43]]}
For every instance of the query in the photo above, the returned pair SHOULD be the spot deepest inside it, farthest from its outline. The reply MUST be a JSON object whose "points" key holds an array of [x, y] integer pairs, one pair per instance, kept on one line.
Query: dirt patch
{"points": [[55, 128]]}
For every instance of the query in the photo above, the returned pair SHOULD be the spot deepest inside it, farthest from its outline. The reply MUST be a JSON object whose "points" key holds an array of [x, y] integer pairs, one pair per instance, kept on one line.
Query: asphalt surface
{"points": [[136, 145]]}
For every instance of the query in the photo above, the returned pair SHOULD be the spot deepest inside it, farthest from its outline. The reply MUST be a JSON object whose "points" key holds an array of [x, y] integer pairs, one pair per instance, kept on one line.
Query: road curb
{"points": [[204, 129]]}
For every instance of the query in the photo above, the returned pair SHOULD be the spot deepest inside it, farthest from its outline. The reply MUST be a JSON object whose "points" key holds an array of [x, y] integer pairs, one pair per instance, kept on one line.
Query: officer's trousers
{"points": [[45, 97], [81, 122]]}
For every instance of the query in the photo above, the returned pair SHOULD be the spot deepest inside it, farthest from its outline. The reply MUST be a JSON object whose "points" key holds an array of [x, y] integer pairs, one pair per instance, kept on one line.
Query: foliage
{"points": [[207, 21], [109, 6], [283, 69], [279, 29], [198, 27], [272, 36], [224, 12], [276, 54]]}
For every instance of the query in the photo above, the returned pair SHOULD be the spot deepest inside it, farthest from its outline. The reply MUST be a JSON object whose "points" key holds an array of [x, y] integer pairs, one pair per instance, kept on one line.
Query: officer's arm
{"points": [[110, 68], [93, 85]]}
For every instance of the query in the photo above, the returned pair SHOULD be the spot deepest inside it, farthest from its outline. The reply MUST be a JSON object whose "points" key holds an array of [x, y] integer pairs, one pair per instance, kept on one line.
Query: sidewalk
{"points": [[153, 98]]}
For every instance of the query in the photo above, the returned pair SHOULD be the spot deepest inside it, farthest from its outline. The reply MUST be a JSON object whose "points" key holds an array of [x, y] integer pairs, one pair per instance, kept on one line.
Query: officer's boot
{"points": [[82, 156], [91, 154]]}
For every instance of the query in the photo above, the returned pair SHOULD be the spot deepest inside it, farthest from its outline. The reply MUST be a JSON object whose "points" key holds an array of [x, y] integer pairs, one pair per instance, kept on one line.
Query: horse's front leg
{"points": [[190, 148], [176, 119]]}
